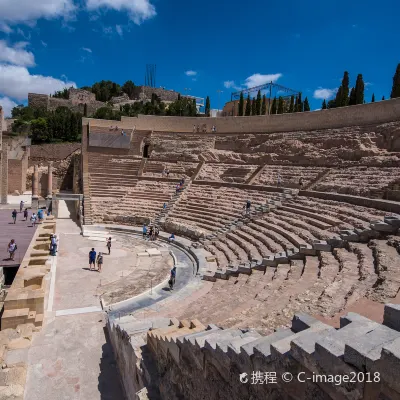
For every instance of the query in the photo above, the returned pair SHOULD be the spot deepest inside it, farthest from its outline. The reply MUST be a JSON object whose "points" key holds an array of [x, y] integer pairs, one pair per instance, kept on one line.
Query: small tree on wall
{"points": [[241, 105], [373, 98], [291, 107], [280, 105], [264, 105], [85, 110], [359, 90], [248, 106], [254, 107]]}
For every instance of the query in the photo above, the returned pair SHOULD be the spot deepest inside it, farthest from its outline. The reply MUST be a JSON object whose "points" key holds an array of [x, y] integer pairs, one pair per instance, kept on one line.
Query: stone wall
{"points": [[3, 125], [79, 96], [17, 171], [147, 91], [364, 114], [52, 152], [36, 100]]}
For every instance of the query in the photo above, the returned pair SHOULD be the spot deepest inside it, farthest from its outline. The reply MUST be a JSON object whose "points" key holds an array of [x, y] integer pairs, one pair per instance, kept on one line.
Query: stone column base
{"points": [[35, 203]]}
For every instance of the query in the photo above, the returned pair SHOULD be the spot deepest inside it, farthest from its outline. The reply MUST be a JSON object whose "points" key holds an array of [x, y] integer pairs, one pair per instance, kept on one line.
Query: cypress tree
{"points": [[85, 110], [258, 104], [207, 108], [352, 99], [254, 107], [291, 107], [373, 98], [324, 105], [359, 89], [342, 96], [299, 104], [248, 106], [306, 105], [295, 104], [241, 105], [273, 107], [264, 105], [396, 84], [383, 97], [280, 105], [194, 108]]}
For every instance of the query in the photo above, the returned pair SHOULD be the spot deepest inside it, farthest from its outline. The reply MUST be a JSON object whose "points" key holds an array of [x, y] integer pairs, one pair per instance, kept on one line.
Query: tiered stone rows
{"points": [[177, 170], [209, 208], [289, 175], [226, 172], [359, 181]]}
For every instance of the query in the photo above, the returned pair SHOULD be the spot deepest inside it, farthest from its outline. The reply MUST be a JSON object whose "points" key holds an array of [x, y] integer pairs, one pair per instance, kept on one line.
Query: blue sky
{"points": [[203, 46]]}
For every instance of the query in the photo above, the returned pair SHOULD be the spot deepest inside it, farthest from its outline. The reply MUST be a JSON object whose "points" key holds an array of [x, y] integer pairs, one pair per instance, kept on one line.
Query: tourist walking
{"points": [[279, 180], [26, 214], [144, 231], [172, 278], [171, 238], [21, 206], [99, 261], [40, 216], [33, 219], [12, 248], [156, 232], [92, 259], [247, 207], [109, 245], [54, 245], [14, 216]]}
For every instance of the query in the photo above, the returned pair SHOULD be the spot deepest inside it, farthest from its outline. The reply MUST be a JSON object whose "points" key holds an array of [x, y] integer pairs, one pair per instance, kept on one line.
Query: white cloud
{"points": [[107, 30], [7, 105], [16, 55], [138, 10], [229, 84], [5, 28], [259, 79], [190, 73], [118, 28], [28, 11], [324, 94], [16, 82], [87, 49], [44, 44]]}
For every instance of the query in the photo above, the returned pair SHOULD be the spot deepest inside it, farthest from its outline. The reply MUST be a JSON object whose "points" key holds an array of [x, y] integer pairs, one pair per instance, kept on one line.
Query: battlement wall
{"points": [[364, 114]]}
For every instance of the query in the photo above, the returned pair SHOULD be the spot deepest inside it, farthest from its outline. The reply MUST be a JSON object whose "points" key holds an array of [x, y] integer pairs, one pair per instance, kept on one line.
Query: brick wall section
{"points": [[53, 152], [364, 114]]}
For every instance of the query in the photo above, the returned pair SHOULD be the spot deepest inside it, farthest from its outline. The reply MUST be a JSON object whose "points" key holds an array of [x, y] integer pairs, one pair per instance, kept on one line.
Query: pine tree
{"points": [[299, 104], [359, 89], [291, 107], [352, 98], [396, 84], [254, 107], [306, 105], [324, 105], [208, 106], [273, 107], [280, 105], [241, 105], [342, 96], [373, 98], [258, 103], [264, 105], [383, 98], [248, 106]]}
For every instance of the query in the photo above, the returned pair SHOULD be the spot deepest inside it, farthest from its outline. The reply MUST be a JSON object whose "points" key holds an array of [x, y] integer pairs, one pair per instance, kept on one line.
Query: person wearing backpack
{"points": [[12, 248], [14, 216]]}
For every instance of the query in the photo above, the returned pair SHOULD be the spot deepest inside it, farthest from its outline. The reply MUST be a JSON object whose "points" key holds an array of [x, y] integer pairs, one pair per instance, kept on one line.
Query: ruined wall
{"points": [[165, 95], [364, 114], [36, 100], [17, 171], [78, 96]]}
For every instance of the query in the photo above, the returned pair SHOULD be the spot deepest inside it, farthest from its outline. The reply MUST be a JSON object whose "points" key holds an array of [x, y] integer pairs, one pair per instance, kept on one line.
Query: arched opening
{"points": [[146, 151]]}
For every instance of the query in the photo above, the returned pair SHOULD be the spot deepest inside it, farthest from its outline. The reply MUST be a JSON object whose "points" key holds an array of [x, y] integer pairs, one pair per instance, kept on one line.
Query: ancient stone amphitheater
{"points": [[305, 283]]}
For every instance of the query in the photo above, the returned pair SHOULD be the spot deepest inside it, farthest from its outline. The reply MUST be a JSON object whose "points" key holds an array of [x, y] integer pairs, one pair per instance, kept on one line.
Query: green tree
{"points": [[258, 103], [373, 98], [291, 107], [396, 84], [383, 98], [254, 107], [248, 106], [62, 94], [280, 105], [208, 107], [306, 105], [359, 89], [299, 104], [274, 106], [324, 105], [342, 95], [241, 105], [264, 105], [39, 130], [331, 104], [352, 98], [194, 108], [129, 88]]}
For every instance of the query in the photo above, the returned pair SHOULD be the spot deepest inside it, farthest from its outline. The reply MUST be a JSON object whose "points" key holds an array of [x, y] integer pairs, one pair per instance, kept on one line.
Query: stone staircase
{"points": [[165, 358], [322, 175]]}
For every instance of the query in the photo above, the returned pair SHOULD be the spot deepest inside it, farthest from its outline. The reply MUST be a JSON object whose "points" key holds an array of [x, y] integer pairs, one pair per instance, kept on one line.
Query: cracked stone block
{"points": [[244, 268], [393, 220], [269, 261], [381, 226], [321, 245], [307, 250], [301, 321], [293, 253], [281, 258], [391, 316], [209, 276], [389, 365], [348, 235]]}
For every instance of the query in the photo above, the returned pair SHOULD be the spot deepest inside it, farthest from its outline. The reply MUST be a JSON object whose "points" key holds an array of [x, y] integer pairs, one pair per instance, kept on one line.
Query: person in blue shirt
{"points": [[92, 259], [144, 231], [40, 215], [171, 238], [172, 278]]}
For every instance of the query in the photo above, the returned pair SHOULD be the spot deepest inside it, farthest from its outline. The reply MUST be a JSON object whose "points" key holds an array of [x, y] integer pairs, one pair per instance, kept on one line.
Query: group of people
{"points": [[95, 258], [34, 219], [151, 233], [197, 129], [179, 186]]}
